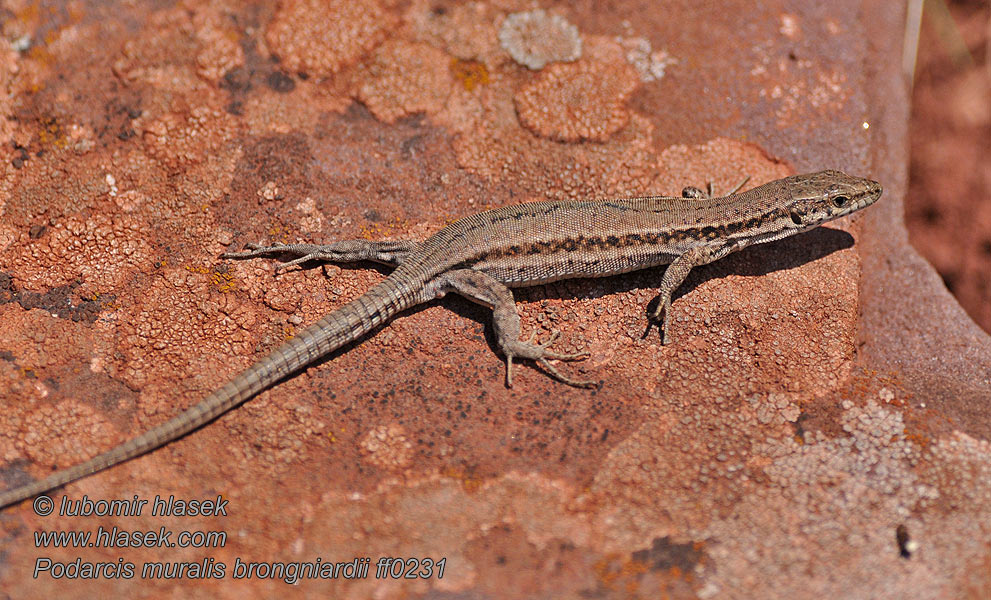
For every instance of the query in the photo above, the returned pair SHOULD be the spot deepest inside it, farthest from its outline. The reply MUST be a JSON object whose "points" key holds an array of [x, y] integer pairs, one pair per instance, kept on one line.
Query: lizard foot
{"points": [[392, 252], [254, 250], [662, 322], [303, 252], [541, 354], [336, 252], [709, 191]]}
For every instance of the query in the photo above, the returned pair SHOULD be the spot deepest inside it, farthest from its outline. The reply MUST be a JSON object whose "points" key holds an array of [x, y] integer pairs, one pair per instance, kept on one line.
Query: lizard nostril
{"points": [[796, 218]]}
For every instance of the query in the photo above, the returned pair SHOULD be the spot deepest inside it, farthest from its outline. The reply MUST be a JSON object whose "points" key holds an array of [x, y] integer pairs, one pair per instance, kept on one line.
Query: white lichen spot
{"points": [[775, 409], [22, 43], [387, 446], [129, 200], [535, 38], [789, 26], [269, 191], [650, 64], [312, 219], [112, 184], [307, 206]]}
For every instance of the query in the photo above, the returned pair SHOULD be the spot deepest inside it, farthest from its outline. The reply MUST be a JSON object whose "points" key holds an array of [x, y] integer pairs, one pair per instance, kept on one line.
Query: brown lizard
{"points": [[484, 255]]}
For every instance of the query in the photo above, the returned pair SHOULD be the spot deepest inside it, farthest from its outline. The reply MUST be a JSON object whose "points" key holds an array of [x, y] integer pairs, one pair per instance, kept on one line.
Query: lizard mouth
{"points": [[874, 191]]}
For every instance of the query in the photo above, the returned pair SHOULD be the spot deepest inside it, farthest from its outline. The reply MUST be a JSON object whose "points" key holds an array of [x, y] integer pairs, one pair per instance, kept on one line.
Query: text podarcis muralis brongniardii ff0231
{"points": [[482, 256]]}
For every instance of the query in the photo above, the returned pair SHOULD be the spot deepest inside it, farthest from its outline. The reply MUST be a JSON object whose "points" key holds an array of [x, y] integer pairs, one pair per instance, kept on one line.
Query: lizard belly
{"points": [[538, 269]]}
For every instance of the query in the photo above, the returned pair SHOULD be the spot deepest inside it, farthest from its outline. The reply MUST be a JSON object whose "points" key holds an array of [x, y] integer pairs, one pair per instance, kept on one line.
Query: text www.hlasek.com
{"points": [[119, 538]]}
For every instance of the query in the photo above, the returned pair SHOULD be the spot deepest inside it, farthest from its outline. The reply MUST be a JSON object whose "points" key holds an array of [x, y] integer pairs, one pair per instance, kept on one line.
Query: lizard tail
{"points": [[338, 328]]}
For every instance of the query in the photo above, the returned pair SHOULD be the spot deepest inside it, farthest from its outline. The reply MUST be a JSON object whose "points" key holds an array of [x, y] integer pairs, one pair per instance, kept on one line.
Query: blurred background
{"points": [[948, 207]]}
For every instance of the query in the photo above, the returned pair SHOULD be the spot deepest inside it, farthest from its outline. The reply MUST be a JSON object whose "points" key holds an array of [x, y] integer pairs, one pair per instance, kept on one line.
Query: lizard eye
{"points": [[796, 218], [841, 201]]}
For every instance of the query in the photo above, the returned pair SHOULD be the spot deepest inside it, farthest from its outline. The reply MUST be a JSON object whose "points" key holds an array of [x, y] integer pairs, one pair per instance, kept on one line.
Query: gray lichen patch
{"points": [[650, 64], [535, 38]]}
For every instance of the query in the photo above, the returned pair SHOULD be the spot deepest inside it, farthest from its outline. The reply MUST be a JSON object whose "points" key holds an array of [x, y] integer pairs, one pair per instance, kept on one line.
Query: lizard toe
{"points": [[540, 354], [563, 378]]}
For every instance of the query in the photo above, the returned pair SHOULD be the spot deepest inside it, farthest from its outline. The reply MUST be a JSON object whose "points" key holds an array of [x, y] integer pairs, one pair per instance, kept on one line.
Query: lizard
{"points": [[483, 255]]}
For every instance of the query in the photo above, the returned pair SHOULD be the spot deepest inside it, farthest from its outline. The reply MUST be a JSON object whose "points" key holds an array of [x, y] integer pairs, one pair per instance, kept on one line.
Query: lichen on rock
{"points": [[580, 101], [403, 78], [321, 38], [534, 38]]}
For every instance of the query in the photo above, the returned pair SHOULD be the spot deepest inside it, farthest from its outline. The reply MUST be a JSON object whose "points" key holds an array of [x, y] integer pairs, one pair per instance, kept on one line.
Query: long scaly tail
{"points": [[338, 328]]}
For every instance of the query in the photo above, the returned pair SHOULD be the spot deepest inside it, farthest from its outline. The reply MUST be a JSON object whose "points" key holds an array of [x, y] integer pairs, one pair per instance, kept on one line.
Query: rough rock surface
{"points": [[819, 426], [950, 136]]}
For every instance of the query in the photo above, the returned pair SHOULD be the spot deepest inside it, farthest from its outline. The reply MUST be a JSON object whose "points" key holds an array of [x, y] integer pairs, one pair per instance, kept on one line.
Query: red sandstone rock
{"points": [[817, 428]]}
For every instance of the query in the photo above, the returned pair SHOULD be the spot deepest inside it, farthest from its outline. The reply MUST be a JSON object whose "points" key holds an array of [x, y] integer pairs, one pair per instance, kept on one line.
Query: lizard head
{"points": [[820, 197]]}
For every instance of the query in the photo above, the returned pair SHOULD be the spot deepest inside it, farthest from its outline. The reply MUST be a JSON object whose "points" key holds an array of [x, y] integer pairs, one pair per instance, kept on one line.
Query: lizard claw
{"points": [[303, 252], [539, 352], [252, 250], [655, 317]]}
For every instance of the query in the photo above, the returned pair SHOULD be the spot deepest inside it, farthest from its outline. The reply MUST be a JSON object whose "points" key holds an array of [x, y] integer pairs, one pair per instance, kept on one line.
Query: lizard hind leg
{"points": [[709, 192], [390, 253], [485, 289]]}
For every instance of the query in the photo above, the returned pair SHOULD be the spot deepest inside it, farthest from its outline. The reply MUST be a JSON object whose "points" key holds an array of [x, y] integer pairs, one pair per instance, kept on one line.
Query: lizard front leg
{"points": [[679, 269], [674, 276], [390, 253], [485, 289]]}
